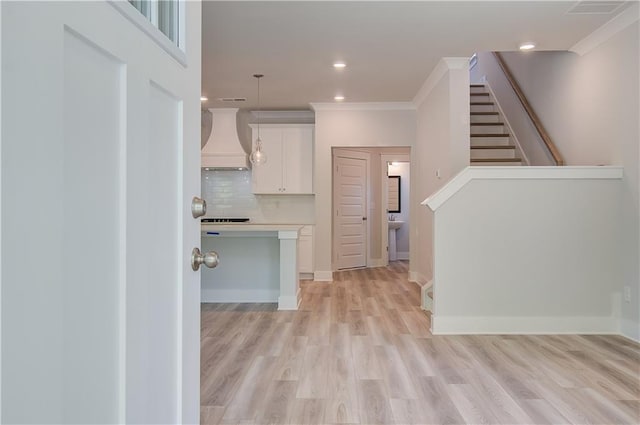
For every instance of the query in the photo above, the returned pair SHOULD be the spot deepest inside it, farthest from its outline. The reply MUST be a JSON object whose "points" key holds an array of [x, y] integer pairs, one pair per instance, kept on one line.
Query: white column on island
{"points": [[289, 288]]}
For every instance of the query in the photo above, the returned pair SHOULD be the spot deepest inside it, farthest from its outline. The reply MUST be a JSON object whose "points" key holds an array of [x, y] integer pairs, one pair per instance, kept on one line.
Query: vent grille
{"points": [[232, 99], [595, 7]]}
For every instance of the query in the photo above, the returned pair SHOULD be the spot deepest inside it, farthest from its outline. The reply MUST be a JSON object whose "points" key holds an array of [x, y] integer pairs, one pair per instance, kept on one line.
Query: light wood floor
{"points": [[359, 351]]}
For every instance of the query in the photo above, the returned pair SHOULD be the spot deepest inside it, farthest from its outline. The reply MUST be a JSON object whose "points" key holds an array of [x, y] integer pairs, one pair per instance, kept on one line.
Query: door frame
{"points": [[384, 199], [349, 154]]}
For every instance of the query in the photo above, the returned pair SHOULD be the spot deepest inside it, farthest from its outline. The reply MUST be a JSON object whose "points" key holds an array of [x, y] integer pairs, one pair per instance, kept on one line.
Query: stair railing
{"points": [[555, 153]]}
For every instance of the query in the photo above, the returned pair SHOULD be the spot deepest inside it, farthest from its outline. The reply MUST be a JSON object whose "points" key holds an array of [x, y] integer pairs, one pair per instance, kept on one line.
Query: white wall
{"points": [[589, 106], [402, 169], [554, 272], [365, 125], [442, 146]]}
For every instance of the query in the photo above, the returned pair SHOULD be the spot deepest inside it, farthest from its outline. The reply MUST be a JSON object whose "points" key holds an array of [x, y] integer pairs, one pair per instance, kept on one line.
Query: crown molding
{"points": [[608, 30], [363, 106], [444, 65], [293, 114]]}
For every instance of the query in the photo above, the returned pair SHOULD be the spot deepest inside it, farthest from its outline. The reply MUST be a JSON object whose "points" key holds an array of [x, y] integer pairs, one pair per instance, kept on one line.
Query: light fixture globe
{"points": [[258, 157]]}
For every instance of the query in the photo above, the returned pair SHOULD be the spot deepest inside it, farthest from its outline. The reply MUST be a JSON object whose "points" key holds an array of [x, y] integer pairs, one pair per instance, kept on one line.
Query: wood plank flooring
{"points": [[359, 351]]}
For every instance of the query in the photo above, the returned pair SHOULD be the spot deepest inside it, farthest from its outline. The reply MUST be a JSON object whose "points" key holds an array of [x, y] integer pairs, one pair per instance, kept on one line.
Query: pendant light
{"points": [[258, 156]]}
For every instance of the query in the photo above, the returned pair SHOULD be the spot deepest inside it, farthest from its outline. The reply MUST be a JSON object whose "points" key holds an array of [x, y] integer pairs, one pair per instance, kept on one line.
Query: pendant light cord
{"points": [[258, 76]]}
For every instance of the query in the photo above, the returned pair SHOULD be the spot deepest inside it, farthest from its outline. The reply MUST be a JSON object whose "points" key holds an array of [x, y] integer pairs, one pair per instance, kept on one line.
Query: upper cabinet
{"points": [[289, 166]]}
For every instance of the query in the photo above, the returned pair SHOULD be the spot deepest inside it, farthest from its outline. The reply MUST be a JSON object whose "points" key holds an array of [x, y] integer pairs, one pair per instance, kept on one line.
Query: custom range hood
{"points": [[223, 150]]}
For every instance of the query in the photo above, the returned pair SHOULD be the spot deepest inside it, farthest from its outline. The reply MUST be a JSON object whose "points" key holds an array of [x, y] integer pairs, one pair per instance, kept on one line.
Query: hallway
{"points": [[359, 350]]}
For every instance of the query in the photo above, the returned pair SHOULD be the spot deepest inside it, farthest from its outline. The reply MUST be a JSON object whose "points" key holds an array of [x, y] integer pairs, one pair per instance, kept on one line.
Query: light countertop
{"points": [[250, 230]]}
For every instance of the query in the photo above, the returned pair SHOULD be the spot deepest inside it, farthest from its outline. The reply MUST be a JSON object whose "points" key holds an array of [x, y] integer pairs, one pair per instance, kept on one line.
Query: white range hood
{"points": [[223, 150]]}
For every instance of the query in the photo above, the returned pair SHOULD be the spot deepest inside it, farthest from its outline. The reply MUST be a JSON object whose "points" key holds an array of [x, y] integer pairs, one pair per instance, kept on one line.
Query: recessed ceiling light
{"points": [[527, 46], [203, 98], [338, 98], [339, 65]]}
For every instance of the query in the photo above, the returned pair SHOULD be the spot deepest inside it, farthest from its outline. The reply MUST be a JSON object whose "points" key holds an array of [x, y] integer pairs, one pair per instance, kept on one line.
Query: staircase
{"points": [[491, 143]]}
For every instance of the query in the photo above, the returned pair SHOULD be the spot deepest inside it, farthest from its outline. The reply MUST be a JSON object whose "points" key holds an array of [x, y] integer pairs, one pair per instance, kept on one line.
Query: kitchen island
{"points": [[258, 264]]}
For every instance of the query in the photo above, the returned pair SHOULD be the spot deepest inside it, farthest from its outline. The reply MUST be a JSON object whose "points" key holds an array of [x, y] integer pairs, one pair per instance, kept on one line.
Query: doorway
{"points": [[397, 182], [360, 204]]}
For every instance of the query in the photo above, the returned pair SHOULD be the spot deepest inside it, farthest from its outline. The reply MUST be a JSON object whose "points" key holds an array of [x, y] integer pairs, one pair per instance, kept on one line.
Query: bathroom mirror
{"points": [[393, 191]]}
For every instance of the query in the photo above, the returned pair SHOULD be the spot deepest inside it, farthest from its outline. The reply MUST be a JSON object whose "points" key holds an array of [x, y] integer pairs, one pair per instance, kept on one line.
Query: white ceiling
{"points": [[390, 47]]}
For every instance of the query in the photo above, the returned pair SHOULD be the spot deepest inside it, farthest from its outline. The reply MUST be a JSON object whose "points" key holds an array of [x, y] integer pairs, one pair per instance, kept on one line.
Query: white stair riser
{"points": [[490, 140], [493, 153], [499, 164], [487, 129], [478, 90], [485, 118], [480, 98], [483, 108]]}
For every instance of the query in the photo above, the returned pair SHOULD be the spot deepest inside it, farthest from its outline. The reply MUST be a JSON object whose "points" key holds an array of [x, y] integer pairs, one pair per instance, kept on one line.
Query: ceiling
{"points": [[390, 47]]}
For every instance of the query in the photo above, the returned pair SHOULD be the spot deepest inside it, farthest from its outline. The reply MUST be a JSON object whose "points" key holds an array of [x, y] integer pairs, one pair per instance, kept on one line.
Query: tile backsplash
{"points": [[228, 194]]}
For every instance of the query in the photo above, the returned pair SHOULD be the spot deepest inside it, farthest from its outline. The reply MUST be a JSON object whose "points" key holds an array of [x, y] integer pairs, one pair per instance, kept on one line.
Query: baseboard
{"points": [[323, 276], [426, 303], [402, 255], [239, 296], [464, 325], [288, 302], [630, 329], [305, 276], [418, 278]]}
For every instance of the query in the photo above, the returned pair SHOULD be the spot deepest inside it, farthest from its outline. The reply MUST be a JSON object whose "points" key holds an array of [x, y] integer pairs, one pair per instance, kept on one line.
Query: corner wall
{"points": [[442, 150]]}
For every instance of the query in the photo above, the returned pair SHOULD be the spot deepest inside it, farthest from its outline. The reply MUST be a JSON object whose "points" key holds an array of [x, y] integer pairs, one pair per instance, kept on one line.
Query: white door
{"points": [[100, 159], [350, 189]]}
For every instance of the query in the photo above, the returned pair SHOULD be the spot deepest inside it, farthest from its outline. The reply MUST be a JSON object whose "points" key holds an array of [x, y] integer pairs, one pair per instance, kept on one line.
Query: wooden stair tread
{"points": [[487, 123], [494, 147], [479, 94], [484, 113], [491, 135], [482, 103], [496, 160], [476, 85]]}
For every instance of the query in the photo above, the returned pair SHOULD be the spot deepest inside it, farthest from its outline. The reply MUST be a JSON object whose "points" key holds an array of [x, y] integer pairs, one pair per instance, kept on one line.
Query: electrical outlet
{"points": [[627, 294]]}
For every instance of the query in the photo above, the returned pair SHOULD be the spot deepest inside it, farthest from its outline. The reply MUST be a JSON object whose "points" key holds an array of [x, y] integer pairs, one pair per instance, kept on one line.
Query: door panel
{"points": [[152, 311], [91, 194], [100, 158], [298, 154], [351, 188], [267, 178]]}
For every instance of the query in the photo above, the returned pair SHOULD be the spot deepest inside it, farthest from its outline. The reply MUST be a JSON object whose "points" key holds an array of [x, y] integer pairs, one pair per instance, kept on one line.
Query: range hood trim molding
{"points": [[223, 150]]}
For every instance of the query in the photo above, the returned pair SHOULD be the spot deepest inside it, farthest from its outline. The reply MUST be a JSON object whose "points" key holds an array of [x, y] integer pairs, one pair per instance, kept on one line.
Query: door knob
{"points": [[209, 259], [198, 207]]}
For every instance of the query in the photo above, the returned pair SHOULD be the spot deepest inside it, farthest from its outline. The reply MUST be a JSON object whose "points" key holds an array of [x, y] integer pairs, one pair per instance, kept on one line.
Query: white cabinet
{"points": [[305, 250], [289, 166]]}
